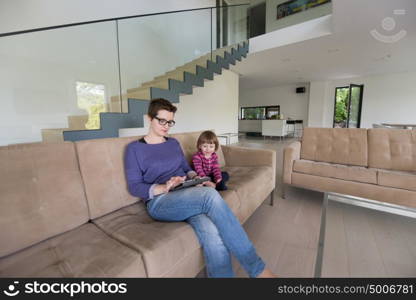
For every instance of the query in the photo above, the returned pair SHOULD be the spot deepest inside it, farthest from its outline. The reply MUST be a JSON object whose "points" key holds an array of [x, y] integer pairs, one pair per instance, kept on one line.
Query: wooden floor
{"points": [[361, 242], [286, 235]]}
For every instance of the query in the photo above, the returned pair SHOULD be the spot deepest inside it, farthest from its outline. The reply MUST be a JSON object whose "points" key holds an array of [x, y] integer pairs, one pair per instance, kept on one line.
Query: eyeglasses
{"points": [[163, 122]]}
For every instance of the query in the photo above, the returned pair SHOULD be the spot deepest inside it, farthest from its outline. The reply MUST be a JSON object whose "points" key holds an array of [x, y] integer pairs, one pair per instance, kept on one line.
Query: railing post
{"points": [[119, 68], [211, 32]]}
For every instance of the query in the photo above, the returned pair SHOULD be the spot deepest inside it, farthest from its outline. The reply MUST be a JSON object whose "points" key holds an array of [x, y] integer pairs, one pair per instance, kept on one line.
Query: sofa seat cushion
{"points": [[252, 185], [397, 179], [359, 189], [353, 173], [164, 245], [82, 252]]}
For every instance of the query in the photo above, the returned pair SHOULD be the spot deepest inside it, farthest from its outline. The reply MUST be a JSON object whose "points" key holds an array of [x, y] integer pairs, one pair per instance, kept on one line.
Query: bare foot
{"points": [[266, 274]]}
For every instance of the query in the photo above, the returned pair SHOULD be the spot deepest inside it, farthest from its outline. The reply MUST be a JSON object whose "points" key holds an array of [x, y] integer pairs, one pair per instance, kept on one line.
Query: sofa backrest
{"points": [[102, 168], [41, 194], [393, 149], [188, 143], [335, 145]]}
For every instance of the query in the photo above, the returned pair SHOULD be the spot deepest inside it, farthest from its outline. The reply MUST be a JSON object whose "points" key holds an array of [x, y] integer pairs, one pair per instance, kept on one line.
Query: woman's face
{"points": [[161, 117]]}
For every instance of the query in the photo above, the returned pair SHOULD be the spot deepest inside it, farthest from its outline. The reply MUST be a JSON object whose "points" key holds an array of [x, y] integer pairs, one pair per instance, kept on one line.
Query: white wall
{"points": [[389, 98], [271, 13], [317, 113], [214, 106], [16, 15], [292, 105]]}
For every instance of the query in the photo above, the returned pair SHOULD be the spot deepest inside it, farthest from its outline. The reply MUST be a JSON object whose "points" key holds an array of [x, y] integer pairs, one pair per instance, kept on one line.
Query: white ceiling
{"points": [[350, 51]]}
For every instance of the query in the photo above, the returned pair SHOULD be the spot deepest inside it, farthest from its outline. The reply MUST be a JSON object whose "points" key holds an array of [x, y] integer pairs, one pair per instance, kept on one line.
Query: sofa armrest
{"points": [[290, 154], [248, 157]]}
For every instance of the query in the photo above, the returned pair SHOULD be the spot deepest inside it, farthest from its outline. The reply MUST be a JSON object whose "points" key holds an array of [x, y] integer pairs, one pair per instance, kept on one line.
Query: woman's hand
{"points": [[174, 181], [171, 183]]}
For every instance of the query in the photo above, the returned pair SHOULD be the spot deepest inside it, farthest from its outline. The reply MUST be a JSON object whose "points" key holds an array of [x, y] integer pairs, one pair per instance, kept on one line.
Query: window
{"points": [[272, 112], [91, 97], [260, 112], [347, 108]]}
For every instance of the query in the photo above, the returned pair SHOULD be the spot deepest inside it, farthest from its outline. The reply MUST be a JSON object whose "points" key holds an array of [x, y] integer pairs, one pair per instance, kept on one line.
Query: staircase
{"points": [[128, 111]]}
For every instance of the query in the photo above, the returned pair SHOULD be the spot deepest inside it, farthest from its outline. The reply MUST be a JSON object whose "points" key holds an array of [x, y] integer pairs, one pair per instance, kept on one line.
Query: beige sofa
{"points": [[378, 164], [65, 211]]}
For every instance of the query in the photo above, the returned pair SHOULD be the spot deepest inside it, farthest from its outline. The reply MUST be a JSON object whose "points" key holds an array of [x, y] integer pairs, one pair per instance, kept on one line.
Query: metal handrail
{"points": [[113, 19]]}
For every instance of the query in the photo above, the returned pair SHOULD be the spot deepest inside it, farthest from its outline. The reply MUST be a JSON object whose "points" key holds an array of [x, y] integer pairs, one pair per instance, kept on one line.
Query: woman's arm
{"points": [[135, 183]]}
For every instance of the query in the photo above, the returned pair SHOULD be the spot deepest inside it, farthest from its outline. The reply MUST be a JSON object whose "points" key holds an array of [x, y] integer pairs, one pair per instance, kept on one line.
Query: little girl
{"points": [[205, 161]]}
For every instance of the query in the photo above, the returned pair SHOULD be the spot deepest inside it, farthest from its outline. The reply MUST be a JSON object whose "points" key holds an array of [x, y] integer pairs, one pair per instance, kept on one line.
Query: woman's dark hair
{"points": [[159, 104], [207, 137]]}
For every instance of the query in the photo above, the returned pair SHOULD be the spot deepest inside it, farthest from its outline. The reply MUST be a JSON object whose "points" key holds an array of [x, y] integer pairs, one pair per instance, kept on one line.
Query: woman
{"points": [[154, 165]]}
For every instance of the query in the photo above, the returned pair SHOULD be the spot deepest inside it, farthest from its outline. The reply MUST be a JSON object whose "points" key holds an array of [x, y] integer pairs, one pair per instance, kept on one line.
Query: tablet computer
{"points": [[191, 182]]}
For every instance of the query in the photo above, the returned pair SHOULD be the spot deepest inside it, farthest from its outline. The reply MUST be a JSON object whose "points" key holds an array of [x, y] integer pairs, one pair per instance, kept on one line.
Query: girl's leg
{"points": [[221, 185], [183, 204], [217, 256]]}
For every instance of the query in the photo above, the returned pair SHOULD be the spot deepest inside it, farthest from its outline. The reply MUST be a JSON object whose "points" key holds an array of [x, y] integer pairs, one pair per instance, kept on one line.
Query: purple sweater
{"points": [[148, 164]]}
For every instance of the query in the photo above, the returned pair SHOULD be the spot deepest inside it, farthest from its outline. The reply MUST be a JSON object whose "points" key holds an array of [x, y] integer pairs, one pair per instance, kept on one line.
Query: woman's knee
{"points": [[206, 230], [213, 196]]}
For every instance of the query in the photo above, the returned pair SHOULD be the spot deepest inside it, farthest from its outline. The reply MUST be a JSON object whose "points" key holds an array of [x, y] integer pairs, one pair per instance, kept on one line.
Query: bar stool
{"points": [[293, 123], [301, 129]]}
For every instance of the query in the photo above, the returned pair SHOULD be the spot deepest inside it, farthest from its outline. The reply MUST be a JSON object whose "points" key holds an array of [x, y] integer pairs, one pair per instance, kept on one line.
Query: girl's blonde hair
{"points": [[207, 137]]}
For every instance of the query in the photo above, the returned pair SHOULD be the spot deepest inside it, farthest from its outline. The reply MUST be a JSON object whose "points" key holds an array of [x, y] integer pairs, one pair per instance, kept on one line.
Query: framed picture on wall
{"points": [[294, 6]]}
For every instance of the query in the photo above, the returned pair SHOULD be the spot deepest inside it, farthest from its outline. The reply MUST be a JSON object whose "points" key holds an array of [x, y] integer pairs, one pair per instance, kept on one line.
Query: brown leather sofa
{"points": [[65, 211], [377, 164]]}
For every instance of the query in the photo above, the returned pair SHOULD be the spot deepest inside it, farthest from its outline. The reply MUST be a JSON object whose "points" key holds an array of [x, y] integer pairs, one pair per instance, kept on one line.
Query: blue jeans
{"points": [[219, 231]]}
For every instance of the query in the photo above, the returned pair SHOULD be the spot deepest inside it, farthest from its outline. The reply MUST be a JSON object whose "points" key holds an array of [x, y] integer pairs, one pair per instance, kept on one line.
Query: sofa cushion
{"points": [[353, 173], [370, 191], [82, 252], [347, 146], [397, 179], [252, 185], [392, 149], [42, 194], [102, 167], [188, 143], [166, 246]]}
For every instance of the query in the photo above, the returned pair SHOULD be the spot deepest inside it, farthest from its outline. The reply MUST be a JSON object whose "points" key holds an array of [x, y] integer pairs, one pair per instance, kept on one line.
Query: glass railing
{"points": [[62, 78]]}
